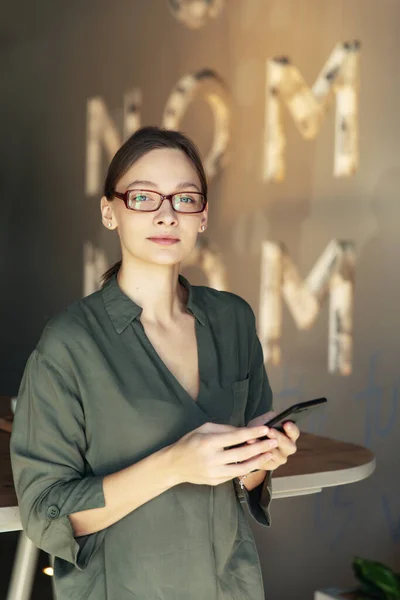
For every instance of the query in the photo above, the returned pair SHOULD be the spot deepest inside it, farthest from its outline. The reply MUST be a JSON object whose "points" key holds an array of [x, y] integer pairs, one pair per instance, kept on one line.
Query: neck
{"points": [[155, 288]]}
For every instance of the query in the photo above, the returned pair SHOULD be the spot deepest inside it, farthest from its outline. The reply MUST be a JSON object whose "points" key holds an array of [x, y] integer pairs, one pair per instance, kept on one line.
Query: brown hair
{"points": [[140, 143]]}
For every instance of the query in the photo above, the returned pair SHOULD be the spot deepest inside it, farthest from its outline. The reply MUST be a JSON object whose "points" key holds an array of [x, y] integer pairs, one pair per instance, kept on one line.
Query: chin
{"points": [[164, 258], [168, 256]]}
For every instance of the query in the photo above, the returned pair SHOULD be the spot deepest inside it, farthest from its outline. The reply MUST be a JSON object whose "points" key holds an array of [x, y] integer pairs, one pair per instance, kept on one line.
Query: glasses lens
{"points": [[140, 200], [188, 202]]}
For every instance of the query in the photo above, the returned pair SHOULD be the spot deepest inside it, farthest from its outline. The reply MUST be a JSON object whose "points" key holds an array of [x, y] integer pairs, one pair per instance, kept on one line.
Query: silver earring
{"points": [[203, 227], [109, 224]]}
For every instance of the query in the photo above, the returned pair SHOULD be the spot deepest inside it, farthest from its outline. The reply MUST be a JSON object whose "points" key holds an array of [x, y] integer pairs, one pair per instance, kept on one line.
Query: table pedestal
{"points": [[24, 569]]}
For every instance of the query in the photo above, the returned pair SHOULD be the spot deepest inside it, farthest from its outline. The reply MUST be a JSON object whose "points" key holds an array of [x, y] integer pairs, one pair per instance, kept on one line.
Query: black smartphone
{"points": [[294, 413]]}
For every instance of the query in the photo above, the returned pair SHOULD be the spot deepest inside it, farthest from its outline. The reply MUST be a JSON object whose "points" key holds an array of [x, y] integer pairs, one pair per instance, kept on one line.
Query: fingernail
{"points": [[264, 429]]}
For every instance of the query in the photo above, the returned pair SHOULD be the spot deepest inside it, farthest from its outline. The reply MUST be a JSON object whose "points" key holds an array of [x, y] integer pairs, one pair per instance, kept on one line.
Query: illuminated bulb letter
{"points": [[210, 85], [102, 131], [94, 265], [209, 260], [195, 13], [285, 85], [332, 274]]}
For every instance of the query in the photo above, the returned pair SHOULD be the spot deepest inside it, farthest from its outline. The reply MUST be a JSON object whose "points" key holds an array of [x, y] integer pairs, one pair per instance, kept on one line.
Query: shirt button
{"points": [[53, 511]]}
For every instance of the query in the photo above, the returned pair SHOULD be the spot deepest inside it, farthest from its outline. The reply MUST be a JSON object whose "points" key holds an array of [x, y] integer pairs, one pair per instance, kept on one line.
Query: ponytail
{"points": [[110, 273]]}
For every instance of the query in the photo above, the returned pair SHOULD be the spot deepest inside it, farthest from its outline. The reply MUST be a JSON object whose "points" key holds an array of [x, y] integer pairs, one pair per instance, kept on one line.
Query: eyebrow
{"points": [[181, 186]]}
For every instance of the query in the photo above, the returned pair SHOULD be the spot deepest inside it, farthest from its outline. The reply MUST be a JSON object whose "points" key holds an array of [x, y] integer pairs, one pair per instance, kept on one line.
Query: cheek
{"points": [[189, 236], [130, 221], [189, 227], [131, 232]]}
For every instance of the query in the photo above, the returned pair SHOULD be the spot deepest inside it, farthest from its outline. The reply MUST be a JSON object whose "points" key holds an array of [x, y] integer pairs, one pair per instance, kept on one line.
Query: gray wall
{"points": [[56, 57]]}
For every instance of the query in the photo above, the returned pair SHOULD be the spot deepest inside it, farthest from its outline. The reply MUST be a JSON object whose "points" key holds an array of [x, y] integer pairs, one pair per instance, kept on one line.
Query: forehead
{"points": [[166, 168]]}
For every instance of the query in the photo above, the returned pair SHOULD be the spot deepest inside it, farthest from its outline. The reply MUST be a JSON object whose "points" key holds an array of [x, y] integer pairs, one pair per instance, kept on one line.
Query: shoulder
{"points": [[216, 302], [71, 325]]}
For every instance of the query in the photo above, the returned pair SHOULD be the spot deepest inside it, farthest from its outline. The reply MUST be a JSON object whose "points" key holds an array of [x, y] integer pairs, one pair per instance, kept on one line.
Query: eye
{"points": [[139, 198], [142, 200], [186, 199]]}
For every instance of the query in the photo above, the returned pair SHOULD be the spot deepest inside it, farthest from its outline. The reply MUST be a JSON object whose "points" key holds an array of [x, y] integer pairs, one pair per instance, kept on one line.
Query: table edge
{"points": [[322, 479]]}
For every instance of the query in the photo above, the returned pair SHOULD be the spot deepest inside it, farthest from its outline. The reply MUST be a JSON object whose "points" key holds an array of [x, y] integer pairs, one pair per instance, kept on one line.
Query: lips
{"points": [[164, 241]]}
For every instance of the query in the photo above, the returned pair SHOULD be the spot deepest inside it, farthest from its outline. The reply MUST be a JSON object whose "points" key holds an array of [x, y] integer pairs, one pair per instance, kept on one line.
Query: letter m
{"points": [[332, 274], [308, 107]]}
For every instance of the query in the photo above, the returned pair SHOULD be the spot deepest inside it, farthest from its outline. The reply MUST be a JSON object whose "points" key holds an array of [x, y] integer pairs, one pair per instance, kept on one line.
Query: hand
{"points": [[201, 456], [286, 442]]}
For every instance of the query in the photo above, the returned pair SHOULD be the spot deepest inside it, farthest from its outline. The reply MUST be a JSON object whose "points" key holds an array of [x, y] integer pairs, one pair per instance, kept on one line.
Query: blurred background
{"points": [[78, 77]]}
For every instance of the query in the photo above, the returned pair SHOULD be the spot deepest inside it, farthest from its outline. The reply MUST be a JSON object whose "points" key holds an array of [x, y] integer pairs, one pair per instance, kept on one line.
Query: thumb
{"points": [[261, 420]]}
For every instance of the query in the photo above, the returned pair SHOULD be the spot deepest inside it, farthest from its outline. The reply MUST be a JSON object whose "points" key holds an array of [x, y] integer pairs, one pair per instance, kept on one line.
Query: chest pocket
{"points": [[226, 405], [240, 390]]}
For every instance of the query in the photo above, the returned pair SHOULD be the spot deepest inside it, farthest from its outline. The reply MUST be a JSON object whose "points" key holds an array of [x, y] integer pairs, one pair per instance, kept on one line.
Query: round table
{"points": [[321, 462]]}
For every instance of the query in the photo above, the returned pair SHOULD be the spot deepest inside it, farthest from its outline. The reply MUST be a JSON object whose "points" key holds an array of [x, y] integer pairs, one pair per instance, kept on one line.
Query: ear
{"points": [[107, 216], [204, 220]]}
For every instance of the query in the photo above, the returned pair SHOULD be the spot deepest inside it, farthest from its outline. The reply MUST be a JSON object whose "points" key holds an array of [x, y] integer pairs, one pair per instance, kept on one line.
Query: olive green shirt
{"points": [[95, 398]]}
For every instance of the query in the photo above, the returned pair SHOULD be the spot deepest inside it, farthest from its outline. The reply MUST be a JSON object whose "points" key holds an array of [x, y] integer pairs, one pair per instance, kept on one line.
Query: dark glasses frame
{"points": [[125, 197]]}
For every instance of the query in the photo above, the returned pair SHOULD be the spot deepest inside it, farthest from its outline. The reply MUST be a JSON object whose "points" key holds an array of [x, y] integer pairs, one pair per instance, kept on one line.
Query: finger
{"points": [[247, 451], [285, 444], [246, 466], [240, 435], [276, 460], [279, 457], [292, 431]]}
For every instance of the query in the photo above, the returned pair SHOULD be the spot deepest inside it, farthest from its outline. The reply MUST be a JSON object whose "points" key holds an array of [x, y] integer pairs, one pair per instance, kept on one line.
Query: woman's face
{"points": [[165, 171]]}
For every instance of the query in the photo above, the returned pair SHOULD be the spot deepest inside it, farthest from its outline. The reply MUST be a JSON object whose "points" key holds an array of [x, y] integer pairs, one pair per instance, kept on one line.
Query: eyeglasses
{"points": [[150, 201]]}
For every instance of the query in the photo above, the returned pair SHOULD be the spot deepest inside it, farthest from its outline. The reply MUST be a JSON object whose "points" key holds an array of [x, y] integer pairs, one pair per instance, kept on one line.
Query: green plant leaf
{"points": [[377, 579]]}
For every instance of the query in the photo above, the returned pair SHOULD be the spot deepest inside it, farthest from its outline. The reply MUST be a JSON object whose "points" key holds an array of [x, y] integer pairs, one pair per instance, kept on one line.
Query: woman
{"points": [[132, 399]]}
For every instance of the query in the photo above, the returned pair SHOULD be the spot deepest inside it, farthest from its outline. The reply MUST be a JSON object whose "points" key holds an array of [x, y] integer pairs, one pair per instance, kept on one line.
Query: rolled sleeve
{"points": [[51, 474], [257, 500], [259, 401]]}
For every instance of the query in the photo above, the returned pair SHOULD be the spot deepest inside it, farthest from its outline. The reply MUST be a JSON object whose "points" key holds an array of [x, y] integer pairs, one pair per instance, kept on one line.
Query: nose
{"points": [[165, 214]]}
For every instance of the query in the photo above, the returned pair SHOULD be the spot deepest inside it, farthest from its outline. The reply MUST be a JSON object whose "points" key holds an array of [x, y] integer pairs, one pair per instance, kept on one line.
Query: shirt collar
{"points": [[122, 310]]}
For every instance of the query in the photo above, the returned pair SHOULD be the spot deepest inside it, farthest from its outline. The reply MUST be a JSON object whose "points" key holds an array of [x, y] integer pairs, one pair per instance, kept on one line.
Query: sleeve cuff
{"points": [[57, 535], [257, 500]]}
